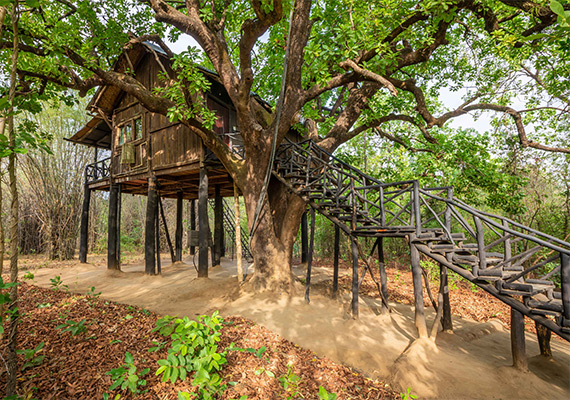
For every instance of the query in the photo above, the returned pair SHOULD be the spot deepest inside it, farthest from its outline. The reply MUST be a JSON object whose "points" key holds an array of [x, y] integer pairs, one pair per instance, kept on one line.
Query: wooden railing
{"points": [[98, 170]]}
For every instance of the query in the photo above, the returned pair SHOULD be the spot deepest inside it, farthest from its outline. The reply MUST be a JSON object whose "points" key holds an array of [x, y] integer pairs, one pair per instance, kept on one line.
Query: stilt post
{"points": [[420, 318], [383, 276], [310, 256], [218, 226], [238, 235], [84, 235], [543, 335], [192, 226], [354, 302], [336, 255], [112, 250], [304, 237], [150, 228], [179, 228], [518, 347], [203, 224]]}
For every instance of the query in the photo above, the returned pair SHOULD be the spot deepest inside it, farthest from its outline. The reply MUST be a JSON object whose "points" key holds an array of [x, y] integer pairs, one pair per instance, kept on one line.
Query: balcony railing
{"points": [[98, 170]]}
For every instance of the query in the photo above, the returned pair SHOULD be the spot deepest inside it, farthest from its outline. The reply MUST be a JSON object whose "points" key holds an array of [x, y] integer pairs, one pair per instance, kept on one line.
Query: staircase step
{"points": [[553, 305]]}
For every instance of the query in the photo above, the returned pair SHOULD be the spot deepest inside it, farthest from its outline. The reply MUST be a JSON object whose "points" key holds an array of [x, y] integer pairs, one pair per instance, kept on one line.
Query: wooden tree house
{"points": [[150, 155]]}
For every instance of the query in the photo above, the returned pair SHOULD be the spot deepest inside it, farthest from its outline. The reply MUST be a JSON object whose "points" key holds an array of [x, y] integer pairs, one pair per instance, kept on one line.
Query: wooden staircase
{"points": [[524, 268]]}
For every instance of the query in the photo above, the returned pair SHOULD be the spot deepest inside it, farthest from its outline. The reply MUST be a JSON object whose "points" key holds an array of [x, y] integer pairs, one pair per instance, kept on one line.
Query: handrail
{"points": [[98, 170]]}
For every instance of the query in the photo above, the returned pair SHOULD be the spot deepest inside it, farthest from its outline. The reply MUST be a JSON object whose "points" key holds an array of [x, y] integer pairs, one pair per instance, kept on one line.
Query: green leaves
{"points": [[125, 377], [563, 15]]}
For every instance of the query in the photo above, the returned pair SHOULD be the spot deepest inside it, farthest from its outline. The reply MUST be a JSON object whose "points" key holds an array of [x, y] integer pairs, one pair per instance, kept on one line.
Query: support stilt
{"points": [[179, 228], [192, 226], [420, 318], [203, 224], [84, 235], [310, 256], [446, 321], [218, 226], [112, 250], [238, 235], [383, 276], [157, 232], [336, 255], [166, 231], [354, 302], [150, 228], [518, 347], [543, 335], [304, 238]]}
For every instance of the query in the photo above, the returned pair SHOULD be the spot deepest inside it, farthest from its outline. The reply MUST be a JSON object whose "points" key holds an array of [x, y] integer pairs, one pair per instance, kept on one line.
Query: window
{"points": [[130, 131]]}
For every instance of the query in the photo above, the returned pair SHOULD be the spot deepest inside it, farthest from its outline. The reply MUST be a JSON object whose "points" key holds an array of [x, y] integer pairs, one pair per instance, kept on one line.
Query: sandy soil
{"points": [[472, 363]]}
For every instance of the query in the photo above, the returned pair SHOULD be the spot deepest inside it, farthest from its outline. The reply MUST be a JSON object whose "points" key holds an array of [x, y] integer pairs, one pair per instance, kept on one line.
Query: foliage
{"points": [[4, 299], [408, 395], [194, 351], [290, 383], [31, 357], [56, 283], [126, 377], [29, 276], [73, 327], [324, 395]]}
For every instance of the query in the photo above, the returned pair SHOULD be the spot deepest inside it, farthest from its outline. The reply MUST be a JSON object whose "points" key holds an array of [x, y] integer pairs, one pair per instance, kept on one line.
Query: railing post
{"points": [[417, 211], [480, 236], [382, 210], [565, 286], [446, 321], [508, 249]]}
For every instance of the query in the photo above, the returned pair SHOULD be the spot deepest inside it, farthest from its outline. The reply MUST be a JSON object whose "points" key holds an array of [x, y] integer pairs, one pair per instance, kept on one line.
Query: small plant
{"points": [[75, 328], [290, 383], [92, 293], [57, 284], [29, 276], [31, 357], [44, 305], [4, 299], [408, 395], [126, 377], [324, 395], [193, 350]]}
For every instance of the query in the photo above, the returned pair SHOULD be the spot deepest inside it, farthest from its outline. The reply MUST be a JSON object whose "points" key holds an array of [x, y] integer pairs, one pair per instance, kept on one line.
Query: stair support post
{"points": [[480, 236], [203, 229], [84, 235], [446, 321], [310, 256], [565, 286], [543, 335], [508, 248], [354, 302], [383, 276], [150, 228], [420, 319], [304, 237], [192, 226], [518, 347], [336, 256], [417, 210], [218, 226], [113, 227]]}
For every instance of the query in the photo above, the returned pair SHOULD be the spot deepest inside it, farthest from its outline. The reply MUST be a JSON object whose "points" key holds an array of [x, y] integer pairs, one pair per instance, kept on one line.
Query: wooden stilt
{"points": [[518, 340], [192, 225], [157, 231], [179, 228], [203, 224], [218, 226], [336, 255], [119, 213], [112, 256], [383, 276], [304, 238], [166, 231], [420, 318], [310, 256], [446, 321], [543, 335], [354, 302], [150, 228], [238, 235], [84, 235]]}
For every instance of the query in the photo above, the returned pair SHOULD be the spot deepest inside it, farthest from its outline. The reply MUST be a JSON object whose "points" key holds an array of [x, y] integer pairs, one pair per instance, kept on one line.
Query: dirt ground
{"points": [[471, 363]]}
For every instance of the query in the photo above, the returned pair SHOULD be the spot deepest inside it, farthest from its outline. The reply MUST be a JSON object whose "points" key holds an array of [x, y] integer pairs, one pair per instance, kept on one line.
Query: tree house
{"points": [[150, 155]]}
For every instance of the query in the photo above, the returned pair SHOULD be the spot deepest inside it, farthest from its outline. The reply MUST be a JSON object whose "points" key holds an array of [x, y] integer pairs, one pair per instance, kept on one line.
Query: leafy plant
{"points": [[126, 377], [29, 276], [408, 395], [4, 299], [193, 350], [290, 383], [57, 284], [75, 328], [324, 395], [31, 357]]}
